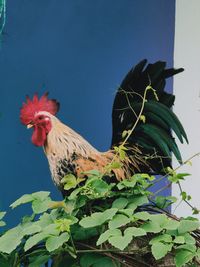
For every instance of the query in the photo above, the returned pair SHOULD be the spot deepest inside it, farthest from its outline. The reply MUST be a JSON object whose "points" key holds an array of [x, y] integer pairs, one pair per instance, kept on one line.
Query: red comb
{"points": [[29, 108]]}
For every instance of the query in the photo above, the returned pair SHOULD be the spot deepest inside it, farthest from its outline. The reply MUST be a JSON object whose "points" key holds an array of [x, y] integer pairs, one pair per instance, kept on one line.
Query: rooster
{"points": [[150, 144]]}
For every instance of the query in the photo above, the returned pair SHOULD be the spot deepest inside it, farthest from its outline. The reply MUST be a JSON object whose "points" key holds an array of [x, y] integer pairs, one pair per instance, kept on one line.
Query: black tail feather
{"points": [[153, 137]]}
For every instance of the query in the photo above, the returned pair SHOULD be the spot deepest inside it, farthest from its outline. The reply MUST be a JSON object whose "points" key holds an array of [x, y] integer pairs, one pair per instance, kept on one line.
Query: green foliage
{"points": [[188, 226], [160, 250], [120, 242], [175, 178], [101, 217], [70, 181], [40, 201], [164, 202], [97, 218], [96, 260]]}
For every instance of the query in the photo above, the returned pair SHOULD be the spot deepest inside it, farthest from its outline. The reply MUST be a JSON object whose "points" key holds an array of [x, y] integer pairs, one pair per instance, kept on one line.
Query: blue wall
{"points": [[79, 51]]}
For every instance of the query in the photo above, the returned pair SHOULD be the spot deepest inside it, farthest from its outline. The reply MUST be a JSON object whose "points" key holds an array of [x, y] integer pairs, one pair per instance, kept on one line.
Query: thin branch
{"points": [[135, 124], [177, 168], [179, 184]]}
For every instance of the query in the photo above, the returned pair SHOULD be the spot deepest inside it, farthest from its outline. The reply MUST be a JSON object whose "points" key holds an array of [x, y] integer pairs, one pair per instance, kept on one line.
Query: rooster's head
{"points": [[37, 113]]}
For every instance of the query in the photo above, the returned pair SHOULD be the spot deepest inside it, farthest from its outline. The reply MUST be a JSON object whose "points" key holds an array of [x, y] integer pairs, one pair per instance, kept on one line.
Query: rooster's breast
{"points": [[61, 166]]}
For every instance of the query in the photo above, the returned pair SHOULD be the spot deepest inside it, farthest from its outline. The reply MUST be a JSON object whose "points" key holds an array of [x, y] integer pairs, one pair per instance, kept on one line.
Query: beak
{"points": [[30, 125]]}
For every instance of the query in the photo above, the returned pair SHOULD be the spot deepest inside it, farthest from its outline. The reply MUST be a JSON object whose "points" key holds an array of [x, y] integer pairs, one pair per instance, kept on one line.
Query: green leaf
{"points": [[160, 219], [188, 226], [131, 206], [176, 177], [165, 238], [120, 203], [98, 218], [122, 147], [80, 233], [143, 118], [160, 250], [118, 221], [52, 229], [139, 200], [11, 239], [42, 195], [96, 260], [45, 219], [94, 173], [195, 211], [31, 229], [39, 260], [164, 202], [183, 175], [142, 215], [125, 133], [54, 242], [147, 176], [122, 154], [179, 240], [22, 200], [69, 181], [70, 205], [189, 239], [130, 183], [41, 205], [33, 240], [182, 257], [74, 194], [120, 242], [100, 187], [127, 212], [121, 151], [189, 247], [107, 234], [151, 227], [184, 195], [171, 224], [115, 165], [28, 218], [63, 224], [134, 231], [48, 231]]}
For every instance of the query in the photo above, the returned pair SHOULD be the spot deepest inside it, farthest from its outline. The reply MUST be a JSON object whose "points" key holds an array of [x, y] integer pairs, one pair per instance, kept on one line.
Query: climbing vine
{"points": [[118, 224]]}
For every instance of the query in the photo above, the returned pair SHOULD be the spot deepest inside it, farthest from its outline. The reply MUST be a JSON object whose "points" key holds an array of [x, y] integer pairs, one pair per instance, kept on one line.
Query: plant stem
{"points": [[93, 249], [179, 184], [144, 100], [72, 242], [139, 115], [177, 168]]}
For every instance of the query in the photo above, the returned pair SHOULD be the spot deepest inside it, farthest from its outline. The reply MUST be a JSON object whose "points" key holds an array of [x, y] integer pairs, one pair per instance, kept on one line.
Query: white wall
{"points": [[187, 91]]}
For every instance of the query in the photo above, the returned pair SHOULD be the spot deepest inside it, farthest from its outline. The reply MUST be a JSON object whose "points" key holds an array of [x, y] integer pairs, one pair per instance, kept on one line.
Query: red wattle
{"points": [[39, 135]]}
